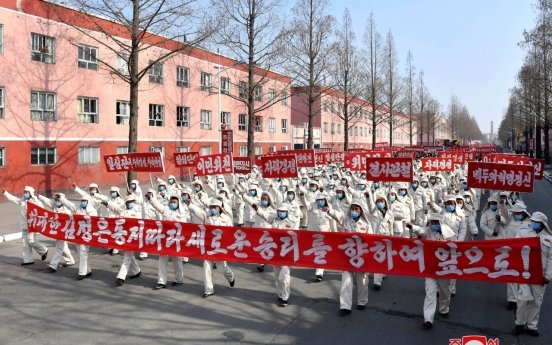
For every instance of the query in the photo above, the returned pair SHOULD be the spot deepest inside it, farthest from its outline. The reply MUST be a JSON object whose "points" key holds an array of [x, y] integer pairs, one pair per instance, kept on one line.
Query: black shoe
{"points": [[136, 275], [437, 293], [361, 307], [427, 325], [84, 277], [520, 329], [280, 299], [120, 282], [27, 263], [532, 332], [111, 252], [176, 283], [452, 294], [214, 265], [344, 312], [160, 286], [260, 268], [81, 277], [67, 265], [51, 270], [89, 274], [142, 258], [318, 278], [233, 282], [284, 303], [377, 287], [512, 305], [240, 224], [207, 295], [445, 315], [44, 256]]}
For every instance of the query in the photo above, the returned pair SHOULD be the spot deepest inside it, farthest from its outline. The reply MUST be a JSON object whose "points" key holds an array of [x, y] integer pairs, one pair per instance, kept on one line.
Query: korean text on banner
{"points": [[509, 177], [457, 157], [242, 165], [389, 169], [492, 261], [437, 164], [305, 158], [140, 162], [214, 164], [282, 166], [185, 159], [227, 143]]}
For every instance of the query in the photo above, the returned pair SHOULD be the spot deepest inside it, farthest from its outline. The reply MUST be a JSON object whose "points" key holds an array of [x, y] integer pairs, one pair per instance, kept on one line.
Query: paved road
{"points": [[41, 308]]}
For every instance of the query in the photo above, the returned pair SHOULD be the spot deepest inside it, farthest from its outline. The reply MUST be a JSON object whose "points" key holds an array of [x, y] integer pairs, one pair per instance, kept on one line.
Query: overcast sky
{"points": [[466, 47]]}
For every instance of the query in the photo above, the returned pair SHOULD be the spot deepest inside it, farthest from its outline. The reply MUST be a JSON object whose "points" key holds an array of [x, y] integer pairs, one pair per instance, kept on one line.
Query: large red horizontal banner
{"points": [[504, 158], [242, 165], [381, 145], [323, 149], [437, 164], [319, 158], [214, 164], [279, 166], [140, 161], [457, 157], [406, 154], [389, 169], [185, 159], [305, 158], [512, 260], [508, 177]]}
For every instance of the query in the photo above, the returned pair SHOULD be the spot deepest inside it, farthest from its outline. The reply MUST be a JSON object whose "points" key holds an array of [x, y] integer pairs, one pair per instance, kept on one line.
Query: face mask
{"points": [[493, 207], [361, 187], [376, 185], [282, 188], [304, 180], [197, 189], [436, 228], [450, 208], [324, 175], [355, 214], [331, 187], [535, 226], [282, 215], [343, 182], [27, 196], [161, 188], [467, 200], [133, 187], [340, 196], [171, 181], [219, 185], [264, 203], [195, 178], [184, 198], [290, 197], [173, 206], [392, 198], [313, 189], [335, 177], [84, 204], [131, 206], [424, 184], [438, 180], [252, 192], [241, 181], [363, 177], [321, 203], [58, 204], [432, 181], [514, 197], [414, 185], [310, 175], [113, 195], [465, 186], [386, 184], [92, 192], [214, 212], [380, 205], [518, 216], [402, 193]]}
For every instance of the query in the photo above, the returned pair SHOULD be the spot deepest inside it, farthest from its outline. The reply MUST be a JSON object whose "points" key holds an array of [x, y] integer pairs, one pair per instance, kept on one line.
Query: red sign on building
{"points": [[214, 164], [140, 162], [227, 138], [510, 177], [242, 165], [185, 159], [279, 166], [389, 169]]}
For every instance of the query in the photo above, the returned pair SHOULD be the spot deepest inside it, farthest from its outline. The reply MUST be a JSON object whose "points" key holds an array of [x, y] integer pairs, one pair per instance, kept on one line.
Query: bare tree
{"points": [[423, 97], [130, 29], [410, 93], [308, 50], [393, 86]]}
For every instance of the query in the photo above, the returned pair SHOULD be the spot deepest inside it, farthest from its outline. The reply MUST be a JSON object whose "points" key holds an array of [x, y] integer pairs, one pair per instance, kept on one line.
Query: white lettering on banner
{"points": [[198, 239], [335, 156], [241, 242], [391, 169], [319, 249], [85, 229], [215, 243], [449, 266], [474, 255], [383, 252], [155, 236], [290, 243], [280, 165], [266, 245], [354, 249], [116, 163], [103, 224], [136, 233], [501, 264], [119, 233], [43, 222], [175, 236], [69, 228], [414, 254], [54, 224], [186, 158], [503, 176]]}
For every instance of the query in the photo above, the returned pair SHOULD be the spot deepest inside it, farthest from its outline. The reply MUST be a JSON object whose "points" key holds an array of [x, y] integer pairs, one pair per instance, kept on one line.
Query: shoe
{"points": [[214, 265], [427, 325], [437, 293], [120, 282], [240, 224], [205, 295], [89, 274], [377, 287], [318, 278], [452, 294], [361, 307], [280, 299], [136, 275], [81, 277], [532, 332], [185, 260], [344, 312], [27, 263], [67, 265], [233, 282], [260, 268], [141, 258], [112, 252], [520, 329], [512, 305], [44, 256], [176, 283], [284, 303], [160, 286], [444, 315], [51, 270]]}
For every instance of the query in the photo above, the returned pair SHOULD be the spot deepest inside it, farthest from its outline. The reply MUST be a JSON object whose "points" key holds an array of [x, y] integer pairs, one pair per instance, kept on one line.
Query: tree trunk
{"points": [[310, 143], [134, 82], [251, 86]]}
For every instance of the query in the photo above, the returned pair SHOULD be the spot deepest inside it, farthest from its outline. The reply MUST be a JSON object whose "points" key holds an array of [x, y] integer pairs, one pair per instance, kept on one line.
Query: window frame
{"points": [[39, 54], [258, 123], [272, 148], [182, 111], [332, 128], [272, 96], [159, 109], [228, 119], [284, 98], [2, 102], [122, 62], [122, 149], [202, 148], [206, 125], [183, 148], [258, 94], [119, 118], [2, 157], [325, 126], [242, 126], [225, 86], [157, 72], [206, 77], [284, 124], [44, 94], [258, 150], [88, 151], [185, 81], [87, 63], [242, 90], [1, 39], [155, 149], [38, 156], [272, 125], [339, 128], [82, 115], [244, 149]]}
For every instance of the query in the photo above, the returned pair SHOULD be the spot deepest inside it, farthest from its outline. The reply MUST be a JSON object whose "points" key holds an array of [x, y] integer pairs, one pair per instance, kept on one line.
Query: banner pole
{"points": [[126, 181], [151, 181]]}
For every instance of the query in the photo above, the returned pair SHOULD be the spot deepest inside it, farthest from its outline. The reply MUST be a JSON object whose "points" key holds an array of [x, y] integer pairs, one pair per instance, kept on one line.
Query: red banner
{"points": [[305, 158], [279, 166], [227, 142], [509, 177], [319, 158], [355, 161], [334, 157], [382, 145], [437, 164], [140, 161], [242, 165], [389, 169], [512, 260], [357, 151], [457, 158], [214, 164], [522, 160], [323, 149], [406, 154], [185, 159]]}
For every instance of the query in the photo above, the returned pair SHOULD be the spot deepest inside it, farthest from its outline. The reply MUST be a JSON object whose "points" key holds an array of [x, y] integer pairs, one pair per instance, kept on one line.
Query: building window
{"points": [[43, 48], [205, 82], [284, 98], [258, 150], [243, 151], [156, 115], [2, 157], [205, 119], [89, 155], [259, 94], [183, 149], [283, 148], [156, 72], [356, 131], [225, 86], [333, 107], [183, 117], [272, 96], [284, 125], [206, 150], [338, 128], [2, 102], [123, 113], [87, 110], [122, 64], [338, 147], [182, 76], [122, 149], [243, 90], [158, 149], [365, 131], [88, 57], [225, 120], [258, 123], [325, 127], [43, 156], [350, 131], [325, 105], [332, 128], [272, 149], [272, 125], [1, 39], [43, 106], [242, 122]]}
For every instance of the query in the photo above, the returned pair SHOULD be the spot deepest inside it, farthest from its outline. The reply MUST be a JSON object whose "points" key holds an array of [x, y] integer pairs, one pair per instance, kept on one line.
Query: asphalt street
{"points": [[42, 308]]}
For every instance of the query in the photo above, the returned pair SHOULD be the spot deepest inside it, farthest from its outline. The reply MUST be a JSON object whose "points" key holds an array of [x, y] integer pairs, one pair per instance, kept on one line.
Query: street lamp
{"points": [[220, 70]]}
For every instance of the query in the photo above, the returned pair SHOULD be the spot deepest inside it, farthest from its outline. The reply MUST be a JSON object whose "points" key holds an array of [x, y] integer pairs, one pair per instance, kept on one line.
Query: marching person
{"points": [[114, 197], [28, 241], [492, 223], [94, 192]]}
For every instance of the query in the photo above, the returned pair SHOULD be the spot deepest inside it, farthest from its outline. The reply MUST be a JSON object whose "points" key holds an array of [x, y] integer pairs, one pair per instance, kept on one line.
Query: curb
{"points": [[547, 176], [11, 237]]}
